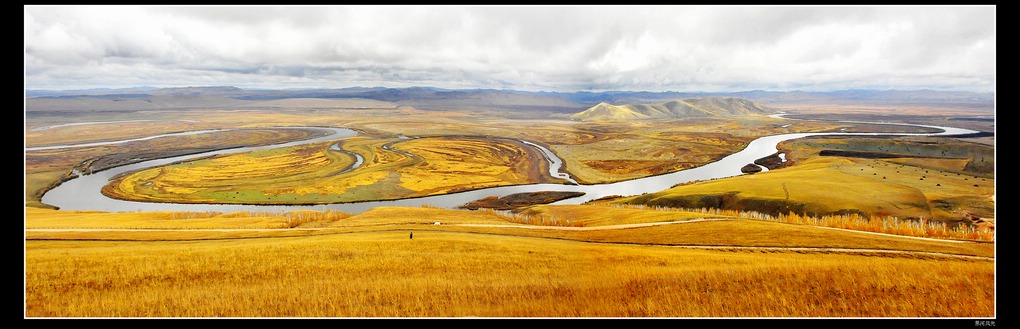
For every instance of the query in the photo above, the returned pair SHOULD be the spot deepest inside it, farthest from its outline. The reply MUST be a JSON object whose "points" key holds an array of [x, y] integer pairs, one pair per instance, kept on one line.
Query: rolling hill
{"points": [[503, 101], [128, 102], [688, 108], [323, 103]]}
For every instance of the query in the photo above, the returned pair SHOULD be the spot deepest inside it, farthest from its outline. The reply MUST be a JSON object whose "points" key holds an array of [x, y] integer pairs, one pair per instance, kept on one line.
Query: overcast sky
{"points": [[536, 48]]}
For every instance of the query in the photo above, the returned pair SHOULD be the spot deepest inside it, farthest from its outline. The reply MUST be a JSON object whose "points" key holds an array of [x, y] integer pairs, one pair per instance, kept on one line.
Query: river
{"points": [[84, 192]]}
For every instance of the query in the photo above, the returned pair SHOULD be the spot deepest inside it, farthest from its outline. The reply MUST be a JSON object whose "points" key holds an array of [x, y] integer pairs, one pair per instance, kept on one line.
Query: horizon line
{"points": [[148, 88]]}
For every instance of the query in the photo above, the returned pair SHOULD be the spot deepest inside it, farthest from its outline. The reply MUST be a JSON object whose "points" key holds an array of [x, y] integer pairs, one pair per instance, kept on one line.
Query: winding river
{"points": [[83, 193]]}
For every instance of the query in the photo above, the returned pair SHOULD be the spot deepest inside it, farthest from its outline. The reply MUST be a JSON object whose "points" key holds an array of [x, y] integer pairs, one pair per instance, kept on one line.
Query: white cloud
{"points": [[564, 48]]}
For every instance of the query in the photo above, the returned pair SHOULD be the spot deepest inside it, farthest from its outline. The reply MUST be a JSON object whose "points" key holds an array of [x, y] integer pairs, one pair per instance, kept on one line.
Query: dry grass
{"points": [[891, 225], [752, 233], [366, 266], [429, 215], [826, 185], [110, 129], [660, 147], [36, 218], [760, 233], [436, 274], [818, 183], [619, 151], [453, 164], [532, 219], [231, 178], [44, 168], [308, 218], [888, 225], [956, 177], [315, 173], [600, 215], [37, 183]]}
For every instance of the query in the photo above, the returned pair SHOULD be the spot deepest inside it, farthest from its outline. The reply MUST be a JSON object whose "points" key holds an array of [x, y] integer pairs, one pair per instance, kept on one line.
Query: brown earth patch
{"points": [[518, 200], [750, 168], [772, 161]]}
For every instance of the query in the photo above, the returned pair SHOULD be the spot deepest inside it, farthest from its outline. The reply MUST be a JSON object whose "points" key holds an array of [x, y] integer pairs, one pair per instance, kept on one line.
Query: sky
{"points": [[712, 48]]}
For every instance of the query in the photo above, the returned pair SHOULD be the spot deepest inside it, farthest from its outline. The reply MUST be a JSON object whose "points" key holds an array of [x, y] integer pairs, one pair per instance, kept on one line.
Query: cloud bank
{"points": [[537, 48]]}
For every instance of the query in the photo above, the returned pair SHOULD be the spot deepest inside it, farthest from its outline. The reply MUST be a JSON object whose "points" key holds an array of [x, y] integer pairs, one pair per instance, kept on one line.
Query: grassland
{"points": [[944, 189], [598, 215], [944, 154], [592, 152], [106, 129], [956, 177], [595, 152], [543, 261], [45, 168], [316, 173], [618, 151], [366, 266]]}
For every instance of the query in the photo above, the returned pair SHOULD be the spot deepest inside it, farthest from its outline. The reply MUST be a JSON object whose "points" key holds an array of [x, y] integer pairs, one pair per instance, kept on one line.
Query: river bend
{"points": [[84, 192]]}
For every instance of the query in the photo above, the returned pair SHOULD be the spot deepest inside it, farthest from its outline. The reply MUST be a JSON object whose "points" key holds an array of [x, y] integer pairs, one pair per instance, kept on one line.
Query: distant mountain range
{"points": [[143, 98], [687, 108]]}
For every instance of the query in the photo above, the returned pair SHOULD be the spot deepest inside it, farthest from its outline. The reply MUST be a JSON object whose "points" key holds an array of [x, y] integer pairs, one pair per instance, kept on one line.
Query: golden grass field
{"points": [[653, 147], [315, 173], [367, 266], [592, 153], [876, 187], [106, 130], [626, 150], [46, 167], [605, 259]]}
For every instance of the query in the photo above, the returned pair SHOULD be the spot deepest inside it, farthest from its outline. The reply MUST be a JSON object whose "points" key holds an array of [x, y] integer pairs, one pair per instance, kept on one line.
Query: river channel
{"points": [[84, 192]]}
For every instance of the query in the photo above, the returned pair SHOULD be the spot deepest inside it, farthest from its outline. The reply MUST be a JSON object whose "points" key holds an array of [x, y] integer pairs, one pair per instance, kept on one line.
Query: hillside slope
{"points": [[687, 108]]}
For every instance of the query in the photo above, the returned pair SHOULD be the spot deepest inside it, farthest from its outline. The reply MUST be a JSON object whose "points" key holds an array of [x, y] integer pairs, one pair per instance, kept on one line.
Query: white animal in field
{"points": [[436, 223]]}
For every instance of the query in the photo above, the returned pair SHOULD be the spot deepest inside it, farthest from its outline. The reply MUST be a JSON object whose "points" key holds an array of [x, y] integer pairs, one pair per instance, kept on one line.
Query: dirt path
{"points": [[609, 227], [625, 226], [893, 235], [596, 228], [530, 227], [173, 229]]}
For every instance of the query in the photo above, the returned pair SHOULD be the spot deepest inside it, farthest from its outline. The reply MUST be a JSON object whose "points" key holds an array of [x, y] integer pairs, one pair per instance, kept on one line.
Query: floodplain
{"points": [[770, 244]]}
